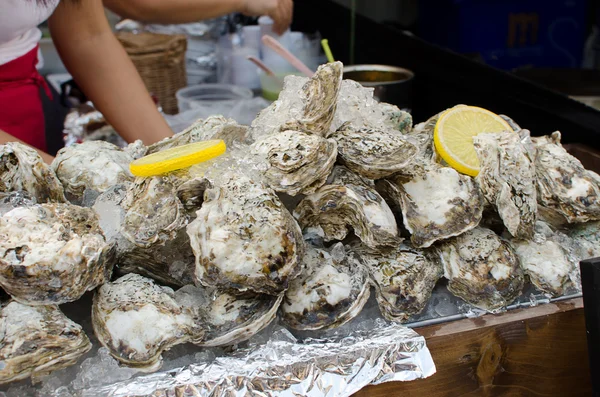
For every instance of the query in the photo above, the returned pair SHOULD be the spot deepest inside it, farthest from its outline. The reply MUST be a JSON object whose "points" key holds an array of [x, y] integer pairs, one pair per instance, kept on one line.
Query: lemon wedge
{"points": [[454, 132], [177, 158]]}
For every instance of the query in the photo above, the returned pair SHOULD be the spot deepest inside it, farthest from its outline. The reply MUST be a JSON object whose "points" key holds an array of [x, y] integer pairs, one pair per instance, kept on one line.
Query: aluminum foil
{"points": [[339, 365]]}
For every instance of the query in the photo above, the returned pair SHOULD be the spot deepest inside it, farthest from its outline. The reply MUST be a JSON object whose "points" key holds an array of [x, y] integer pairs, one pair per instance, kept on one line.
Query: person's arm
{"points": [[102, 68], [5, 138], [184, 11]]}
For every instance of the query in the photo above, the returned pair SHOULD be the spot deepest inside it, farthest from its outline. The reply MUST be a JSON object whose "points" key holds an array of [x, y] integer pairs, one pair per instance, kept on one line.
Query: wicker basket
{"points": [[160, 60]]}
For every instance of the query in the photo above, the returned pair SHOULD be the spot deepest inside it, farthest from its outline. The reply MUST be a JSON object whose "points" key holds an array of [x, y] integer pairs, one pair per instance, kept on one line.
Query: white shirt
{"points": [[18, 26]]}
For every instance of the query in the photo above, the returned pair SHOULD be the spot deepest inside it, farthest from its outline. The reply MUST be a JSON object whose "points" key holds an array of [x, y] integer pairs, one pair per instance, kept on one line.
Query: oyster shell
{"points": [[507, 179], [22, 168], [349, 202], [52, 253], [136, 320], [331, 291], [436, 204], [373, 153], [586, 237], [563, 184], [36, 340], [244, 238], [296, 162], [404, 279], [482, 269], [92, 165]]}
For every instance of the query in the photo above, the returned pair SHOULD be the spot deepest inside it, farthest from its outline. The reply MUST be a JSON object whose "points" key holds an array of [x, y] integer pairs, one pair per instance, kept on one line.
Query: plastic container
{"points": [[214, 97]]}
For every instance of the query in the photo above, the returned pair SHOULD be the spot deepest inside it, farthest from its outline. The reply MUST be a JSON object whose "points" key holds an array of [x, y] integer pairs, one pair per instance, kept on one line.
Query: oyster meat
{"points": [[52, 253], [36, 340], [404, 278], [436, 204], [244, 238], [331, 291], [22, 168], [507, 179], [347, 201], [482, 269], [92, 165]]}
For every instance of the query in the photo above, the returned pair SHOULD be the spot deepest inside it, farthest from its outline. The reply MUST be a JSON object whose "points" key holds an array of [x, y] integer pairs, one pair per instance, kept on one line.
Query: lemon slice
{"points": [[177, 158], [454, 132]]}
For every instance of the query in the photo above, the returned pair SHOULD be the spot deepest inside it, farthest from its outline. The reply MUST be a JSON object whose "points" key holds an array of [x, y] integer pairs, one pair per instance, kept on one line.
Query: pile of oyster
{"points": [[327, 194]]}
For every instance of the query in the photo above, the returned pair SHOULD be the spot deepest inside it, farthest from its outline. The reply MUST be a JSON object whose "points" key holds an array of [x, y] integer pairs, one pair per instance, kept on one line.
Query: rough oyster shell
{"points": [[507, 179], [36, 340], [52, 253], [586, 237], [22, 168], [436, 204], [563, 184], [404, 279], [330, 291], [347, 202], [482, 269], [92, 165], [296, 162], [244, 238], [373, 153], [136, 320]]}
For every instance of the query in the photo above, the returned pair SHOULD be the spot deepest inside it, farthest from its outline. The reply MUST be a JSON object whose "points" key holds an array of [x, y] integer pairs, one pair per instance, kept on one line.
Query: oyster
{"points": [[136, 320], [331, 291], [482, 269], [586, 237], [373, 153], [92, 165], [346, 202], [507, 179], [22, 168], [563, 184], [136, 149], [436, 204], [244, 238], [52, 253], [36, 340], [296, 162], [403, 277]]}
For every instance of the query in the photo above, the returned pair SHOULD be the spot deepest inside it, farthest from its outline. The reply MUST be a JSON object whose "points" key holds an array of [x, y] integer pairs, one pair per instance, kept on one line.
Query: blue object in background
{"points": [[508, 34]]}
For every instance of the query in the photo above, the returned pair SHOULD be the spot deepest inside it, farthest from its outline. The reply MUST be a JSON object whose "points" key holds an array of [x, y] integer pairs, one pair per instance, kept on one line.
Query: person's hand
{"points": [[279, 10]]}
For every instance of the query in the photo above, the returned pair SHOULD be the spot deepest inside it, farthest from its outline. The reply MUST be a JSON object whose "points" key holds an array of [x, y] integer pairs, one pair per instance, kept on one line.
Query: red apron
{"points": [[21, 113]]}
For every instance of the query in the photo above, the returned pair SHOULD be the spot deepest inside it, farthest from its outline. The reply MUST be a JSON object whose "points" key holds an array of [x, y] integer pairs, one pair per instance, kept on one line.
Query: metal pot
{"points": [[392, 84]]}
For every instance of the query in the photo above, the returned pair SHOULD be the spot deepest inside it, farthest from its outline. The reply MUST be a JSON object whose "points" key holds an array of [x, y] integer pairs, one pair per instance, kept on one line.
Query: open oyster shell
{"points": [[482, 269], [404, 278], [436, 204], [296, 162], [563, 184], [507, 179], [52, 253], [136, 320], [92, 165], [349, 202], [22, 168], [244, 238], [331, 291], [36, 340]]}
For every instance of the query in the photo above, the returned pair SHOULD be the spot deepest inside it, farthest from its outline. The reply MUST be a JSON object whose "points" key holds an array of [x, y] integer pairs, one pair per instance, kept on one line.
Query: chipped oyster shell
{"points": [[136, 320], [373, 153], [52, 253], [329, 292], [348, 202], [92, 165], [507, 179], [404, 279], [563, 184], [482, 269], [244, 238], [296, 162], [36, 340], [436, 204], [22, 168]]}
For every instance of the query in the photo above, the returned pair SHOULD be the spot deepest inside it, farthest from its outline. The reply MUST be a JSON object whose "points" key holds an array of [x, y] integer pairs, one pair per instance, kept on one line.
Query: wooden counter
{"points": [[539, 351]]}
